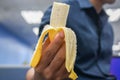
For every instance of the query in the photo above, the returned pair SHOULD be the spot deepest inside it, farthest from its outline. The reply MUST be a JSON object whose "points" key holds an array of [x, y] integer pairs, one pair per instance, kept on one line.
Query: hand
{"points": [[52, 63]]}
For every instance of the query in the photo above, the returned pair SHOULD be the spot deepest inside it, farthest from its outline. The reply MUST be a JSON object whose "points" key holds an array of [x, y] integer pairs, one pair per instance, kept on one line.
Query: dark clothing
{"points": [[94, 39]]}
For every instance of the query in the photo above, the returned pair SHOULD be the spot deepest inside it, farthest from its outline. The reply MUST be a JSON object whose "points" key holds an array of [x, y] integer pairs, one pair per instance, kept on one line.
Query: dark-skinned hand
{"points": [[52, 63]]}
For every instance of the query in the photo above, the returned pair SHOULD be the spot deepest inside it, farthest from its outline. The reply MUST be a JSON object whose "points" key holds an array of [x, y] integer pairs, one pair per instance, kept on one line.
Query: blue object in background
{"points": [[13, 73], [115, 67], [12, 49]]}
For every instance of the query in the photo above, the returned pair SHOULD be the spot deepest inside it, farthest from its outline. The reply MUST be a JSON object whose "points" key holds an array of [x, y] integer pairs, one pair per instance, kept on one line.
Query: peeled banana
{"points": [[57, 23]]}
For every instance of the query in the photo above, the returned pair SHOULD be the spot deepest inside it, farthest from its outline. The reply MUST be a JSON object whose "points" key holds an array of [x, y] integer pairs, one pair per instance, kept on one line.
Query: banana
{"points": [[57, 23]]}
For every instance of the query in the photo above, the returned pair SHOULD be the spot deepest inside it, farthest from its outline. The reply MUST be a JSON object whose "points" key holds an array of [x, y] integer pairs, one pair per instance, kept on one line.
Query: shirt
{"points": [[94, 39]]}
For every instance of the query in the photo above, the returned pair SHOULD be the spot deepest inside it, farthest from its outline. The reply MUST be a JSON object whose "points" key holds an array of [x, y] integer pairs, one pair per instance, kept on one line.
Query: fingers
{"points": [[52, 49], [56, 63], [62, 74], [58, 60], [53, 59], [49, 51], [45, 45]]}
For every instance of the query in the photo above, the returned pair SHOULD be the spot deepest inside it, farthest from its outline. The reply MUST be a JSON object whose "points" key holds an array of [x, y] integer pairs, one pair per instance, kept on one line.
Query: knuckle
{"points": [[59, 41], [47, 73], [61, 58], [48, 53]]}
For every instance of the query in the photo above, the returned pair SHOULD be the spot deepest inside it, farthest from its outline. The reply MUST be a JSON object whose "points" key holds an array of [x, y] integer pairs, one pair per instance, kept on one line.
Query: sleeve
{"points": [[45, 19]]}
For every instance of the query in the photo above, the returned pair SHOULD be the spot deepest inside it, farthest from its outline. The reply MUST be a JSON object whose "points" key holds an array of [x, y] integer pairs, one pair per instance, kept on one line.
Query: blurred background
{"points": [[19, 22]]}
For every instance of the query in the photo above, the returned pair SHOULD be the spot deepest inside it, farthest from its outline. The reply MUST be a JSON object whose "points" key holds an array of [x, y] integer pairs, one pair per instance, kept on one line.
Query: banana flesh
{"points": [[57, 23]]}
